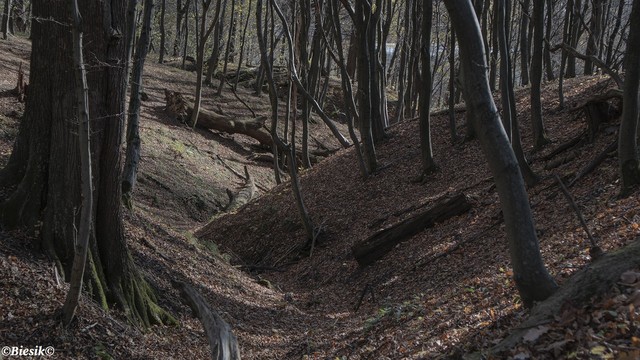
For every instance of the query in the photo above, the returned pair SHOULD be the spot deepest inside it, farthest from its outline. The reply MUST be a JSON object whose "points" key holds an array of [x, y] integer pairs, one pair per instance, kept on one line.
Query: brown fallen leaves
{"points": [[607, 329]]}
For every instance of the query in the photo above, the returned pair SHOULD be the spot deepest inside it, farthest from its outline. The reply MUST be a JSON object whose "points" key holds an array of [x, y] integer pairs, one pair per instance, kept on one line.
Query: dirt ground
{"points": [[446, 291]]}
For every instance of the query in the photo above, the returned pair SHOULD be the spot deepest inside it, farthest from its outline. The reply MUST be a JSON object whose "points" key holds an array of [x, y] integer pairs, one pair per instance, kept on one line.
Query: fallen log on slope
{"points": [[236, 201], [243, 196], [252, 127], [382, 242], [224, 345]]}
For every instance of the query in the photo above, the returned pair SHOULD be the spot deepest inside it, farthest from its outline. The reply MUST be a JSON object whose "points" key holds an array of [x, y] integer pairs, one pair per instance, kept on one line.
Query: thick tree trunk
{"points": [[531, 277], [43, 195], [382, 242], [253, 127]]}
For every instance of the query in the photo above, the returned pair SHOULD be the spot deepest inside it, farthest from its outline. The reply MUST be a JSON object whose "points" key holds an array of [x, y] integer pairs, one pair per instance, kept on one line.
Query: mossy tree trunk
{"points": [[47, 199]]}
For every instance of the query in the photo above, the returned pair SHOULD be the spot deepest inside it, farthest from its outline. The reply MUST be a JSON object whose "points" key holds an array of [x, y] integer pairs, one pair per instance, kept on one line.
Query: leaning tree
{"points": [[531, 277], [43, 172]]}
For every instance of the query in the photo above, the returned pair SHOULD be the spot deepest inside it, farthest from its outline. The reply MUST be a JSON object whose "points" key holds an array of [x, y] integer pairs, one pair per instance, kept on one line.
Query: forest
{"points": [[326, 179]]}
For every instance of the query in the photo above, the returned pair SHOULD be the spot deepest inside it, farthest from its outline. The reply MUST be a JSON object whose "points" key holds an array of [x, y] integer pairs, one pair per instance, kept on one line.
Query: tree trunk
{"points": [[531, 277], [524, 43], [595, 29], [628, 139], [548, 65], [509, 111], [362, 25], [42, 197], [574, 30], [382, 242], [539, 136], [202, 43], [82, 246], [181, 12], [6, 19], [163, 33], [428, 163], [132, 157]]}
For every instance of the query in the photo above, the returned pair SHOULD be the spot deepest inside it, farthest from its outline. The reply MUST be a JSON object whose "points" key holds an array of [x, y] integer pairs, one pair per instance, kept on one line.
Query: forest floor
{"points": [[444, 292]]}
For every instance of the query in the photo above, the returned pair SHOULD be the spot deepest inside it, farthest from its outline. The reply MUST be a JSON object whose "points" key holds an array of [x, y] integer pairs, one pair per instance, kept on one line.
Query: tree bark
{"points": [[42, 197], [595, 30], [132, 157], [82, 246], [163, 32], [428, 163], [524, 42], [531, 277], [537, 124]]}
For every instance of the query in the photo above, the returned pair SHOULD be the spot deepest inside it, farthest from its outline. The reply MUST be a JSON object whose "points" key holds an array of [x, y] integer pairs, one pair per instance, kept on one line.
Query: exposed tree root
{"points": [[592, 281]]}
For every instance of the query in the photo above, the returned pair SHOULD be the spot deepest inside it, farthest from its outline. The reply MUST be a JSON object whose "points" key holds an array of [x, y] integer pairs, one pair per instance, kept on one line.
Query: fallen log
{"points": [[236, 201], [178, 106], [224, 345], [382, 242], [244, 195]]}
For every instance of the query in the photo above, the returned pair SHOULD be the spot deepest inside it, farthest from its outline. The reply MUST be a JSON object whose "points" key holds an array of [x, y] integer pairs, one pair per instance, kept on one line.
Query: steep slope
{"points": [[445, 289]]}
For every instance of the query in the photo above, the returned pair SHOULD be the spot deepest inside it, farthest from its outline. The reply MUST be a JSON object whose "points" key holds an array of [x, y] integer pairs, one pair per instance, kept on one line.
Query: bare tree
{"points": [[204, 34], [531, 277]]}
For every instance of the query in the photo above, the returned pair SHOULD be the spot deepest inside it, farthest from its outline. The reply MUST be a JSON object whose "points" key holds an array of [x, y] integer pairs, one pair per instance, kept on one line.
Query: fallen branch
{"points": [[596, 61], [576, 141], [595, 162], [224, 345], [595, 251]]}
